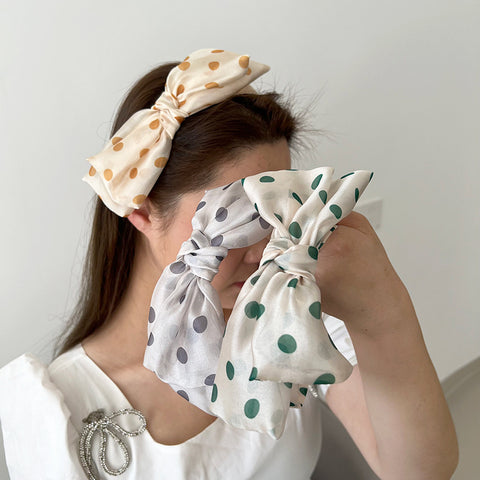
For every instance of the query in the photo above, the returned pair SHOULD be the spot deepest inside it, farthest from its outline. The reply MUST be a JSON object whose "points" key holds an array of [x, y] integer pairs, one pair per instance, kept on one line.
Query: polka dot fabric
{"points": [[276, 343], [124, 172], [186, 322]]}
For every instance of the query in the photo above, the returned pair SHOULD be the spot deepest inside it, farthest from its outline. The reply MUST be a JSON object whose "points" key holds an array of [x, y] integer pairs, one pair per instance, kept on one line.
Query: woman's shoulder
{"points": [[35, 419]]}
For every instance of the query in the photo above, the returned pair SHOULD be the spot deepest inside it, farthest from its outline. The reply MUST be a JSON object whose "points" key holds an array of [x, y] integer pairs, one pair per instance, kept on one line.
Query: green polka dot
{"points": [[267, 261], [323, 196], [287, 344], [288, 384], [351, 173], [313, 252], [292, 169], [255, 205], [315, 309], [253, 280], [336, 210], [357, 194], [253, 374], [292, 404], [295, 230], [297, 198], [214, 392], [267, 179], [325, 378], [316, 181], [230, 370], [279, 217], [293, 283], [370, 177], [251, 408], [243, 180], [303, 391], [254, 309]]}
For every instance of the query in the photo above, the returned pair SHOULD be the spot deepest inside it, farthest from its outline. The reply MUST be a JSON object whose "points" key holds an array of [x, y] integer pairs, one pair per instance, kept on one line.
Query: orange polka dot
{"points": [[92, 171], [160, 162], [249, 71], [116, 140], [118, 146], [108, 174], [179, 119], [213, 65], [153, 125], [155, 108], [180, 89], [139, 199], [184, 65], [212, 85], [186, 58], [100, 198], [243, 61], [144, 151], [133, 172], [181, 104], [217, 51]]}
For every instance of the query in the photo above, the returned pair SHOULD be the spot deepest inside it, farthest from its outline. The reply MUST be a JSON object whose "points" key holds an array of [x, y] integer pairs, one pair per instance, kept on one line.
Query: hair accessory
{"points": [[125, 171], [184, 343], [276, 343], [99, 422]]}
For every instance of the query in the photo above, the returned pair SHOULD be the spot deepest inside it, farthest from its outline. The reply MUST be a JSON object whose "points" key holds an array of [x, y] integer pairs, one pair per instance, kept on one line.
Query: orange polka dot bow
{"points": [[125, 171]]}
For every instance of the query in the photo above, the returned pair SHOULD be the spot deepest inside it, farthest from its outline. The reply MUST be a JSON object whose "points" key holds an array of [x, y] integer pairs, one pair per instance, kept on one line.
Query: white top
{"points": [[41, 412]]}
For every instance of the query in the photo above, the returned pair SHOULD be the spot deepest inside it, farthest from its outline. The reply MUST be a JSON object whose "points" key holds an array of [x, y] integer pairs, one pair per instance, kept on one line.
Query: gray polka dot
{"points": [[183, 394], [150, 339], [182, 355], [255, 215], [216, 241], [200, 324], [195, 244], [221, 214], [182, 298], [264, 224], [201, 205], [219, 257], [210, 379], [177, 267], [224, 188], [151, 315]]}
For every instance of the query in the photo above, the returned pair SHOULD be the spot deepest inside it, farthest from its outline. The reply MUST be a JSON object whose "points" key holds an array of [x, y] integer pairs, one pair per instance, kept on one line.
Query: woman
{"points": [[395, 410]]}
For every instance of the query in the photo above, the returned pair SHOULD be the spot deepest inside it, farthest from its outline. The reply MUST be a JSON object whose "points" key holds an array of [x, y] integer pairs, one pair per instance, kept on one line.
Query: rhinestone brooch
{"points": [[98, 422]]}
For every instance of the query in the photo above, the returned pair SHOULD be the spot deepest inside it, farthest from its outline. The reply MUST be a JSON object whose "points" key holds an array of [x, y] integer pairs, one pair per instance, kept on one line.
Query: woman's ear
{"points": [[141, 218]]}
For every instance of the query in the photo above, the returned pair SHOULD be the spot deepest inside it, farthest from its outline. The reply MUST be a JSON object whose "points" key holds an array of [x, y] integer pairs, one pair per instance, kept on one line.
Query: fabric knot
{"points": [[202, 255], [169, 114], [293, 258]]}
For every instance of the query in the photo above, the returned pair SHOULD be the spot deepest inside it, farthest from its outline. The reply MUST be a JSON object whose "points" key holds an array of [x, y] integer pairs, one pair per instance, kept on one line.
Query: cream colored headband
{"points": [[125, 171]]}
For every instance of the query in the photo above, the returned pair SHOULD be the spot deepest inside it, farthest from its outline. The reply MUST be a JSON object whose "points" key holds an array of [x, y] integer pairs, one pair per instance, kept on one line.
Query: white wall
{"points": [[399, 85]]}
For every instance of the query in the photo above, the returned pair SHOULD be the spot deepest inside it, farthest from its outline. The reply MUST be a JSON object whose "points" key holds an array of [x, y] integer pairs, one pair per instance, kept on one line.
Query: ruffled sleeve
{"points": [[40, 440], [339, 334]]}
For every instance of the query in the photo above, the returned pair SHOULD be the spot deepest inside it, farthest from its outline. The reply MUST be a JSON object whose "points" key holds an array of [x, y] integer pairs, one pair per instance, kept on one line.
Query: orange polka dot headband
{"points": [[125, 171]]}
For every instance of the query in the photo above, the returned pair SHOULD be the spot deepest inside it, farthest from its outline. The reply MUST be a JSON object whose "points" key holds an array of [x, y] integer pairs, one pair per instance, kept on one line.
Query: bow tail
{"points": [[291, 344]]}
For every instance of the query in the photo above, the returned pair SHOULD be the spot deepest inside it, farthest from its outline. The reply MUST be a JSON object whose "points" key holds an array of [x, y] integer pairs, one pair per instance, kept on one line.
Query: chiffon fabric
{"points": [[275, 345]]}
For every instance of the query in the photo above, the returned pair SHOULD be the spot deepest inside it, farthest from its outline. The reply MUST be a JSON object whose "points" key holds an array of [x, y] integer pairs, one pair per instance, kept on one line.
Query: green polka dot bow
{"points": [[125, 171], [275, 343]]}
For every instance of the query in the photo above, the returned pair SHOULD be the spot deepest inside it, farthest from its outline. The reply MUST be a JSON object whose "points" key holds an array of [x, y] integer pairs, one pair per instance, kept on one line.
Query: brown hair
{"points": [[205, 141]]}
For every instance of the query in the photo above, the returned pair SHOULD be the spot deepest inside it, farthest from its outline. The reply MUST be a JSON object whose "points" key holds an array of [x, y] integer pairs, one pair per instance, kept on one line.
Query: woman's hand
{"points": [[356, 279]]}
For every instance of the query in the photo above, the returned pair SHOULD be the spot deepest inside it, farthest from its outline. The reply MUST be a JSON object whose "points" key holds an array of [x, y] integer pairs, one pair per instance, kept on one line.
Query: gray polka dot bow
{"points": [[186, 321], [275, 345]]}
